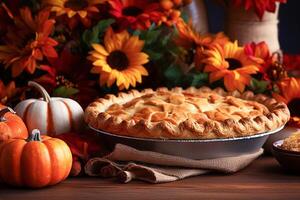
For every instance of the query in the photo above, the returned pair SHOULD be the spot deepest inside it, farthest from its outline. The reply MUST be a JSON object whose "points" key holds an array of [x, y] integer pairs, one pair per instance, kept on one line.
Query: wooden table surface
{"points": [[263, 179]]}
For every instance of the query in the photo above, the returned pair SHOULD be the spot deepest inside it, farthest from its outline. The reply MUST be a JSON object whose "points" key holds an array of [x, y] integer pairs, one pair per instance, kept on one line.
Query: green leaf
{"points": [[136, 32], [65, 92], [95, 34], [152, 36], [154, 55], [173, 75], [197, 80], [258, 86]]}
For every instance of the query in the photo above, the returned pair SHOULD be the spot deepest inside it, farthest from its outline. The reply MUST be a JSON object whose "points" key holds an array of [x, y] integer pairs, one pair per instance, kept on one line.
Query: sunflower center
{"points": [[76, 4], [294, 107], [118, 60], [233, 63], [132, 11]]}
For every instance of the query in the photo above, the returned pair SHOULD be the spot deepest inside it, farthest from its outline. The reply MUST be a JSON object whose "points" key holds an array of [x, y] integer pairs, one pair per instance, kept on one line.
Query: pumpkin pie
{"points": [[186, 114]]}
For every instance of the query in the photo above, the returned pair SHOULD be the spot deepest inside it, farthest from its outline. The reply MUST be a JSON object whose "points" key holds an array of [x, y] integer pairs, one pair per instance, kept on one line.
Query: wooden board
{"points": [[264, 179]]}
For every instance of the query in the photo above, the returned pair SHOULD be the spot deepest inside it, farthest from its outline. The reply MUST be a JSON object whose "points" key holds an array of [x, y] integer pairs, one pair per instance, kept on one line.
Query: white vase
{"points": [[197, 12], [245, 26]]}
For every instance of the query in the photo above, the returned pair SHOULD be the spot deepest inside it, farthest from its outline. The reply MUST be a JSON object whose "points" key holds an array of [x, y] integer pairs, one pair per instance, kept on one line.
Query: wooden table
{"points": [[264, 179]]}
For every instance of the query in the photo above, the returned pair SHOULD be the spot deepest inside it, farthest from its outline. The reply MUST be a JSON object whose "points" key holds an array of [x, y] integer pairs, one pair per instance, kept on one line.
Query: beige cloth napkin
{"points": [[127, 163]]}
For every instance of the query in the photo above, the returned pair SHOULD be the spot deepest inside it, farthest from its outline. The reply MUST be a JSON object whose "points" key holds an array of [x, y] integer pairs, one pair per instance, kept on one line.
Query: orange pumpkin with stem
{"points": [[11, 125], [36, 162]]}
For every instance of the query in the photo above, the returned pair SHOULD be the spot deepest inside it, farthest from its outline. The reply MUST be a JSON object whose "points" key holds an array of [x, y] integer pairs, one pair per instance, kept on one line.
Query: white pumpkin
{"points": [[52, 116]]}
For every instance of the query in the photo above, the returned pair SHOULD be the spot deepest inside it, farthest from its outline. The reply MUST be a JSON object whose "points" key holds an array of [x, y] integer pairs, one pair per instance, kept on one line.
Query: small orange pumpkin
{"points": [[36, 162], [11, 125]]}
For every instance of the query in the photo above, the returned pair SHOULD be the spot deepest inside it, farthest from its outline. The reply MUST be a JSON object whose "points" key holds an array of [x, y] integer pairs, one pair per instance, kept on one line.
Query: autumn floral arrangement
{"points": [[84, 49], [259, 6]]}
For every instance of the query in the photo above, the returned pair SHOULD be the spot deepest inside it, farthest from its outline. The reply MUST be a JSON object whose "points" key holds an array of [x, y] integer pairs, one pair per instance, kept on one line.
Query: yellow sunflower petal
{"points": [[120, 79], [82, 13], [229, 83], [109, 41], [71, 13], [111, 79], [141, 70], [100, 49], [217, 75], [99, 63], [138, 58]]}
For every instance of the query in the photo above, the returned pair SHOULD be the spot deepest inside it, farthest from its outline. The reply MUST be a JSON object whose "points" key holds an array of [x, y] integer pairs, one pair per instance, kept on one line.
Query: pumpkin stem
{"points": [[42, 90], [4, 111], [34, 136]]}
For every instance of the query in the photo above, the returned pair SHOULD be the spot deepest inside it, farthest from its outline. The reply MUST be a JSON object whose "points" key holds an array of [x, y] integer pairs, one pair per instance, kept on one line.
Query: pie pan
{"points": [[191, 148], [289, 160]]}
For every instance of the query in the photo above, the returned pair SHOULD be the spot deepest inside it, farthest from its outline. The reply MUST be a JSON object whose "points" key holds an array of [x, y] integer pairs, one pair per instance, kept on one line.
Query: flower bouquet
{"points": [[84, 49]]}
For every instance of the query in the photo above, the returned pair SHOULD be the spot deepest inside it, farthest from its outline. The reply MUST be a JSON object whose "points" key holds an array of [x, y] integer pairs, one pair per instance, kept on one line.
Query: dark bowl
{"points": [[289, 160]]}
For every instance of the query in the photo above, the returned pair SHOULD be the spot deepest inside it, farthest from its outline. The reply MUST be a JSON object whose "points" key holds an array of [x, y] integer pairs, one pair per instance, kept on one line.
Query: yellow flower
{"points": [[119, 60], [195, 43], [74, 8], [231, 63], [188, 37], [290, 95]]}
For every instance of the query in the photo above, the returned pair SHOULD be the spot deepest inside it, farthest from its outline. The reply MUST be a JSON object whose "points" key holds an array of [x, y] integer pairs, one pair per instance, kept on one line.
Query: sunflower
{"points": [[188, 37], [119, 60], [231, 63], [135, 14], [27, 42], [290, 94], [74, 9], [195, 43]]}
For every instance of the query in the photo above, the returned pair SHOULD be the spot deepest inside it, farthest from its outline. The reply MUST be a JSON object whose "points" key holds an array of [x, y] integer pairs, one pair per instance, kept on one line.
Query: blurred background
{"points": [[289, 24]]}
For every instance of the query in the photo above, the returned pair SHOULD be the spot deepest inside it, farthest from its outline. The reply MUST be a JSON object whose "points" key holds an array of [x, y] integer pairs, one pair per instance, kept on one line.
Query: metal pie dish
{"points": [[191, 148], [289, 160]]}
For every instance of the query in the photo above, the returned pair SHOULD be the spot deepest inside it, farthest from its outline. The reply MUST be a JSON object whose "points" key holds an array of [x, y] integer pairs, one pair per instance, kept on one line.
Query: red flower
{"points": [[83, 147], [259, 6], [271, 67], [69, 70], [291, 64], [136, 14]]}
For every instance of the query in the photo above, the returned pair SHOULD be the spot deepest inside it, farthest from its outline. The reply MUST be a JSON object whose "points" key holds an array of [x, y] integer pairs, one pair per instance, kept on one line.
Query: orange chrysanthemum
{"points": [[75, 9], [188, 37], [290, 95], [195, 43], [135, 14], [231, 63], [28, 42], [119, 60]]}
